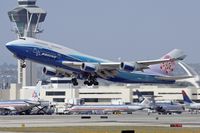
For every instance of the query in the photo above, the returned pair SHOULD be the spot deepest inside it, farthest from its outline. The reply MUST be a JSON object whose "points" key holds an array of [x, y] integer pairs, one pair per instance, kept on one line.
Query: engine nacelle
{"points": [[54, 72], [129, 67], [87, 67]]}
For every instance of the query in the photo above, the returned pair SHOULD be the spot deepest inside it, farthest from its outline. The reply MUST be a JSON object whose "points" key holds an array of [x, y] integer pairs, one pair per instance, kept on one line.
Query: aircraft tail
{"points": [[186, 99], [140, 97], [36, 92], [167, 68], [146, 103]]}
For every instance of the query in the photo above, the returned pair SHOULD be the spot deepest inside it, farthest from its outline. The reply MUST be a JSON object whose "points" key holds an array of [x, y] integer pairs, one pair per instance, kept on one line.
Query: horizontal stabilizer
{"points": [[175, 54]]}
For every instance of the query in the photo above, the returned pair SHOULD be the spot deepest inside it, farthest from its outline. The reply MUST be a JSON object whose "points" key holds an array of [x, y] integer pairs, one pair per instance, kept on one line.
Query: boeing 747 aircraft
{"points": [[62, 61]]}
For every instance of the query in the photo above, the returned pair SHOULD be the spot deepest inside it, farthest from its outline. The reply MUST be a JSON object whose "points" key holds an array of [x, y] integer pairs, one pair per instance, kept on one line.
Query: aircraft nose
{"points": [[16, 48], [10, 46]]}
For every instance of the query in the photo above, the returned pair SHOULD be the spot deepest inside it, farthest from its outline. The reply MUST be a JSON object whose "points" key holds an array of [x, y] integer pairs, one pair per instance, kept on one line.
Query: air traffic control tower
{"points": [[26, 18]]}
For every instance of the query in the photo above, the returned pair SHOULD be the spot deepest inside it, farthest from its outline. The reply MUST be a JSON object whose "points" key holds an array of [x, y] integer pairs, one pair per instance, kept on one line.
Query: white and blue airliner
{"points": [[64, 62]]}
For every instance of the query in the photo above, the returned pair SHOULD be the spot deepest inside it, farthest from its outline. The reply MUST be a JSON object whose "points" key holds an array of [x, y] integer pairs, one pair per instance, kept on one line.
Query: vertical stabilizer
{"points": [[146, 103], [140, 97], [167, 68], [36, 92], [186, 99]]}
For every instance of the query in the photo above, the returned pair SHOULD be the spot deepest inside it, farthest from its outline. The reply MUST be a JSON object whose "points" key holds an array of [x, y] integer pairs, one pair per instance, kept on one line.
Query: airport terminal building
{"points": [[61, 92]]}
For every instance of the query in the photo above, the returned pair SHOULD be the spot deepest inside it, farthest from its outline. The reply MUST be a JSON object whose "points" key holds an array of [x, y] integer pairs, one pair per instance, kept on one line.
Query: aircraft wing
{"points": [[127, 66], [104, 65], [110, 69], [105, 69]]}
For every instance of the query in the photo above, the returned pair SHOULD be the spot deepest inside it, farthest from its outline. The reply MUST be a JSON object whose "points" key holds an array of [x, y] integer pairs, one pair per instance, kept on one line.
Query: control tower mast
{"points": [[26, 18]]}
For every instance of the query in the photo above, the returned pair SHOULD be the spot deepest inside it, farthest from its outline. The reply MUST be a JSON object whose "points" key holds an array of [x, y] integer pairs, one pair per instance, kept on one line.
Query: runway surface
{"points": [[135, 119]]}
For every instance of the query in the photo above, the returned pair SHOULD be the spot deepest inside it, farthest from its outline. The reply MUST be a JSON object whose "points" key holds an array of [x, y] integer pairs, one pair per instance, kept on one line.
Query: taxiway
{"points": [[136, 119]]}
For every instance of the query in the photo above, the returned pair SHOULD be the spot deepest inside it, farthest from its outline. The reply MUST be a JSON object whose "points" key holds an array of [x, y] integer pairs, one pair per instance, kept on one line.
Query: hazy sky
{"points": [[130, 29]]}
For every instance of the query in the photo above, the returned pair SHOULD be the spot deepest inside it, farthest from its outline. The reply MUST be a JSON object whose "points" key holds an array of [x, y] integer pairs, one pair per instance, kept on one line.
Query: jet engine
{"points": [[54, 72], [87, 67], [129, 67]]}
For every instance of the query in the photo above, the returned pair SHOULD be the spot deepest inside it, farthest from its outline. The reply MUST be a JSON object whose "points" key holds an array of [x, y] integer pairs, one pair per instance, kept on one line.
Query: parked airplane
{"points": [[109, 108], [17, 106], [63, 61], [189, 103], [163, 107], [45, 107], [20, 106]]}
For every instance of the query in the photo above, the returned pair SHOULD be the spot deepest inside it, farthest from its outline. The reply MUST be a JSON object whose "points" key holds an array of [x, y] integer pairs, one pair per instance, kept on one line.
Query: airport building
{"points": [[107, 94], [60, 90]]}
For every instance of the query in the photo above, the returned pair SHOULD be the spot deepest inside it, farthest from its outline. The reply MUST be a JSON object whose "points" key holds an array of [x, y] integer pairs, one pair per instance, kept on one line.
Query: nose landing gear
{"points": [[23, 64]]}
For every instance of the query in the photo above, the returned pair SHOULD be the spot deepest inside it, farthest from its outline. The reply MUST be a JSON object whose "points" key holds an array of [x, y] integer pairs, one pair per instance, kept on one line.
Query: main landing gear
{"points": [[91, 81], [74, 82]]}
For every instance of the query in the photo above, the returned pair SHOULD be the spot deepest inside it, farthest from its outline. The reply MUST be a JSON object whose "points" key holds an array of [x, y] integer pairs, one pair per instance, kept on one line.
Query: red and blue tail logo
{"points": [[186, 99], [34, 94]]}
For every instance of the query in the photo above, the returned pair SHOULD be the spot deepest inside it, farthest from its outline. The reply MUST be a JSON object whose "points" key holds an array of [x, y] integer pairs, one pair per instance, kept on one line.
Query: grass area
{"points": [[99, 129]]}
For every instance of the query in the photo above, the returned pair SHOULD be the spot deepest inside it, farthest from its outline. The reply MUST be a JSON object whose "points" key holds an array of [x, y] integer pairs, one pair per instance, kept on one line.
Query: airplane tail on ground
{"points": [[36, 91], [143, 100], [186, 99], [167, 68], [146, 103], [140, 97]]}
